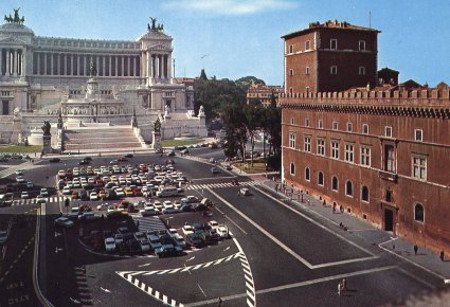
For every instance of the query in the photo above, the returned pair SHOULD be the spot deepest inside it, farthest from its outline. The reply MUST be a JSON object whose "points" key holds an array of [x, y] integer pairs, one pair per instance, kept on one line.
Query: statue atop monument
{"points": [[16, 19], [154, 27], [157, 126]]}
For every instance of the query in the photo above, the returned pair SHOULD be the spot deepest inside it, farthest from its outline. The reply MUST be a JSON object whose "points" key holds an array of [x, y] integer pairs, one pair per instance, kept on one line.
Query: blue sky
{"points": [[242, 37]]}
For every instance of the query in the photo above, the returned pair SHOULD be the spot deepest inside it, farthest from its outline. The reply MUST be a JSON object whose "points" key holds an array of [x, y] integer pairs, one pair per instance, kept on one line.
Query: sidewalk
{"points": [[425, 259]]}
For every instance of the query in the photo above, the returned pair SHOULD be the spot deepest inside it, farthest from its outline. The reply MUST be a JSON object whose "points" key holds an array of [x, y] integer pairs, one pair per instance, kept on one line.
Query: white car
{"points": [[110, 244], [119, 192], [244, 191], [40, 199], [187, 230], [67, 190], [20, 179], [24, 195], [173, 232], [93, 196], [30, 185], [213, 224], [223, 232], [19, 172]]}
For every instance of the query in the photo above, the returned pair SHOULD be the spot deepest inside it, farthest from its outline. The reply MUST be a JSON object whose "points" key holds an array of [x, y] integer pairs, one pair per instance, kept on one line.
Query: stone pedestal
{"points": [[46, 143], [156, 140]]}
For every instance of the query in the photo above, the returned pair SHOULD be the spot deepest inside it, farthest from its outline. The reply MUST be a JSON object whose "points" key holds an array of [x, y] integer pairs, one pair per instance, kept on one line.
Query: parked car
{"points": [[54, 160], [24, 195], [63, 222], [223, 232], [194, 240], [110, 244], [215, 170], [168, 250], [244, 191], [3, 236], [187, 230]]}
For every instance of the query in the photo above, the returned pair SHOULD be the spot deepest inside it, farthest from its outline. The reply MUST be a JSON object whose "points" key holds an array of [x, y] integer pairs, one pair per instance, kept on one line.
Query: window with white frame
{"points": [[362, 45], [418, 135], [320, 179], [320, 124], [291, 72], [292, 169], [335, 149], [349, 127], [333, 70], [335, 184], [419, 167], [306, 122], [349, 152], [365, 155], [321, 147], [307, 174], [365, 194], [307, 144], [307, 45], [307, 70], [365, 129], [361, 70], [333, 44], [388, 131], [292, 140], [349, 188], [335, 126], [419, 213]]}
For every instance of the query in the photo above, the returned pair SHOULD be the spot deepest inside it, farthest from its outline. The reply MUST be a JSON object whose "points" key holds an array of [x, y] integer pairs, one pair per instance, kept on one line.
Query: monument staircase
{"points": [[97, 137]]}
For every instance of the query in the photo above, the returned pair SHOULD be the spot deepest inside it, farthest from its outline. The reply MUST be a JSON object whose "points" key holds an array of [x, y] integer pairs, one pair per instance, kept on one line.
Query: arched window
{"points": [[349, 188], [292, 169], [307, 174], [320, 179], [419, 213], [365, 193], [335, 183]]}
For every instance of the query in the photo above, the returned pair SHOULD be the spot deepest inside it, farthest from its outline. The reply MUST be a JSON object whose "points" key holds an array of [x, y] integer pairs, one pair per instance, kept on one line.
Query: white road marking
{"points": [[106, 290], [233, 222], [201, 289], [143, 265], [227, 248], [190, 259], [286, 248]]}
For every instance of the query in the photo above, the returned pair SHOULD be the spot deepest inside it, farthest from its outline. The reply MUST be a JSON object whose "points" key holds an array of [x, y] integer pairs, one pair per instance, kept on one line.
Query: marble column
{"points": [[122, 62], [169, 67], [78, 64], [45, 63], [109, 65], [157, 66], [128, 66], [97, 64], [38, 64], [65, 64], [117, 65], [58, 64], [103, 65], [52, 58], [135, 66], [71, 64], [1, 61], [148, 70]]}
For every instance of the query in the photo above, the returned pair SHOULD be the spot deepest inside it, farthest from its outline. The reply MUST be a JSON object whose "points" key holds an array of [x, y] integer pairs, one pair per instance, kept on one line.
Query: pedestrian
{"points": [[219, 302], [344, 284], [307, 201], [334, 207], [442, 255], [341, 208], [340, 288], [301, 197], [416, 248], [324, 203]]}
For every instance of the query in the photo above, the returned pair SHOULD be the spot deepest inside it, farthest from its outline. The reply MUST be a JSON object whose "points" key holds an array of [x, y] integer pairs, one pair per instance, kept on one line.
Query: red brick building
{"points": [[328, 57], [381, 153]]}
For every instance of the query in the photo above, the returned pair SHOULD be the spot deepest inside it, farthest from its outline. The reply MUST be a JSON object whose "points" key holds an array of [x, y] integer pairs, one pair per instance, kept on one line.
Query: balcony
{"points": [[387, 175]]}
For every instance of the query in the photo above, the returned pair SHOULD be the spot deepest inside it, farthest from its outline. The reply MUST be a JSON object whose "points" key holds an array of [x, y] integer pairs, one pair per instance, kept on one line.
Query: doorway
{"points": [[388, 220]]}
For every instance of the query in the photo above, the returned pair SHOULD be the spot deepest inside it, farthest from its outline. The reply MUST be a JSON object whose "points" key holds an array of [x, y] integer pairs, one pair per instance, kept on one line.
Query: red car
{"points": [[122, 159], [137, 192]]}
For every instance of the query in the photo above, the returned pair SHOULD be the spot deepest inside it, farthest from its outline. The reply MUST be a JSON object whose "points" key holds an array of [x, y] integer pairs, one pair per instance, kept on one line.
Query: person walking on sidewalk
{"points": [[442, 255], [416, 248], [334, 207]]}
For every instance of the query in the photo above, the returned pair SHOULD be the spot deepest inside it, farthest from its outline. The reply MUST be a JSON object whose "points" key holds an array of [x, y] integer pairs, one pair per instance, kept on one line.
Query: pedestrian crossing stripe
{"points": [[218, 185], [33, 201]]}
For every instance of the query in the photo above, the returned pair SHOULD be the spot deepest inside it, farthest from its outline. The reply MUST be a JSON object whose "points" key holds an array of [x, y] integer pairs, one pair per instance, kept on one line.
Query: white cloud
{"points": [[229, 7]]}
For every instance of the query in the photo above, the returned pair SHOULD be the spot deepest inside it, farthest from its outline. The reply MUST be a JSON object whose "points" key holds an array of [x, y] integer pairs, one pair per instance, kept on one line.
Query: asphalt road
{"points": [[278, 254]]}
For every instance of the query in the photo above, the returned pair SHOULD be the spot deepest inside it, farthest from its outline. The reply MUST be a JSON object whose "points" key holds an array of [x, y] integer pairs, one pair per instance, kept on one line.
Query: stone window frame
{"points": [[334, 125], [418, 132], [362, 70], [418, 170], [333, 70], [320, 148], [307, 174], [307, 45], [365, 129], [388, 131], [320, 124], [307, 143], [365, 157], [332, 183], [307, 122], [291, 72], [362, 194], [335, 150], [349, 152], [347, 188], [319, 174], [291, 49], [292, 120], [333, 44], [419, 205], [307, 70], [292, 140], [362, 45], [292, 169], [349, 127]]}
